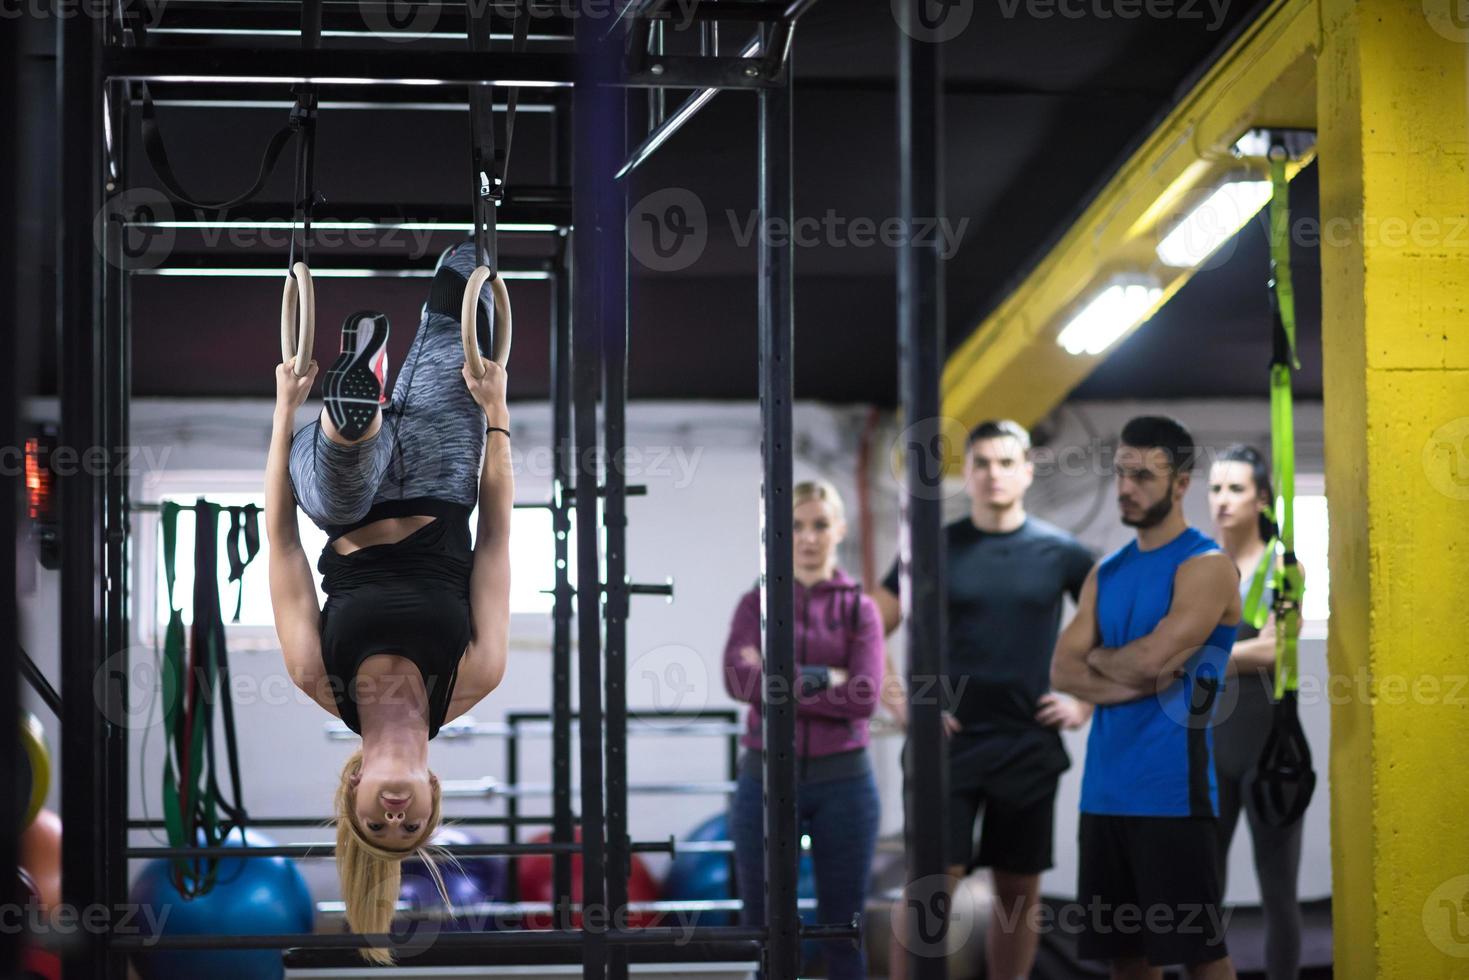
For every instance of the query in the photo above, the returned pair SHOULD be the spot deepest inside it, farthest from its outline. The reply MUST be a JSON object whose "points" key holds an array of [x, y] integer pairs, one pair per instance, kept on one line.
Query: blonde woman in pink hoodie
{"points": [[839, 662]]}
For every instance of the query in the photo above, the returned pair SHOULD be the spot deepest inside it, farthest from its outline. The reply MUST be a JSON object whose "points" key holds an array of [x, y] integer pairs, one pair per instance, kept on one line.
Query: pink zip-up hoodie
{"points": [[836, 626]]}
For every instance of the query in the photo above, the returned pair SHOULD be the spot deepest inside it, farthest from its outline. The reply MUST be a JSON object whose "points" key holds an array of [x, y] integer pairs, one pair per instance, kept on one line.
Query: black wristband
{"points": [[496, 428], [811, 678]]}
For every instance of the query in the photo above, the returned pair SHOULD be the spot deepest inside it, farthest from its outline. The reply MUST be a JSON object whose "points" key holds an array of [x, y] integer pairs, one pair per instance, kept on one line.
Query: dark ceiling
{"points": [[1040, 111]]}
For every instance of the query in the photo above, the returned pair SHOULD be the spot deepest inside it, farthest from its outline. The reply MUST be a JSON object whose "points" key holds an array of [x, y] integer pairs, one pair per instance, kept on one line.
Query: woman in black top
{"points": [[415, 627]]}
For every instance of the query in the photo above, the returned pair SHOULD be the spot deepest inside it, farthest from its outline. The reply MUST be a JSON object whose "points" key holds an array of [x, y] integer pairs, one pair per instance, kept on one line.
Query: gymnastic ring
{"points": [[298, 310], [36, 759], [469, 317]]}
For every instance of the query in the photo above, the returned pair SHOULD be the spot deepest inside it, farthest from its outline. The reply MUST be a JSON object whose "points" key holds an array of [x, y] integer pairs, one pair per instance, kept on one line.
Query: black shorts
{"points": [[1016, 839], [1149, 887]]}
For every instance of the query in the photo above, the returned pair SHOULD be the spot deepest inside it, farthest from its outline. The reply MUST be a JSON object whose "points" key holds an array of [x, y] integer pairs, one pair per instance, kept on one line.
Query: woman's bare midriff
{"points": [[385, 531]]}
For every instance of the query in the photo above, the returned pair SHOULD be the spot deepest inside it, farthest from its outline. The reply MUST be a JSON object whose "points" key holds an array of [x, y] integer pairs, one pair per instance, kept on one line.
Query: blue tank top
{"points": [[1153, 757]]}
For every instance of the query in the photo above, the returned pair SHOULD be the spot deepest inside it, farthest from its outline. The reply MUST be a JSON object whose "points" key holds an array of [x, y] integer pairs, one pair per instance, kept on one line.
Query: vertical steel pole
{"points": [[561, 483], [777, 592], [612, 194], [593, 113], [85, 741], [920, 354], [10, 435], [116, 408]]}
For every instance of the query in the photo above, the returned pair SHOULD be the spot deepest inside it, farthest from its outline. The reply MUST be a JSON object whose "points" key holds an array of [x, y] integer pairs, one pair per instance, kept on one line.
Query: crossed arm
{"points": [[1205, 593]]}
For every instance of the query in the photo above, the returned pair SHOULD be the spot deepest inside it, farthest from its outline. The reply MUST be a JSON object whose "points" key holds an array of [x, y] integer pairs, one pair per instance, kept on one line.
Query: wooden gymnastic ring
{"points": [[469, 317], [298, 312]]}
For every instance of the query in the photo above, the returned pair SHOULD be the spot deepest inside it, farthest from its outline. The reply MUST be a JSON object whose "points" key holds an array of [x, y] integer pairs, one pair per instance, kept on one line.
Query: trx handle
{"points": [[469, 317], [298, 319], [1285, 781]]}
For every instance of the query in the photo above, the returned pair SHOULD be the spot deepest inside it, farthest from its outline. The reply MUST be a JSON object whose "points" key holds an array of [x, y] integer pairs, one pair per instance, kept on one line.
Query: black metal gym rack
{"points": [[588, 336]]}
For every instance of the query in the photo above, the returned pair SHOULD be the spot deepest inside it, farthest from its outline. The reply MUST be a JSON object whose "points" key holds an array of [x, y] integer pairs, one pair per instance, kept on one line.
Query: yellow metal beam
{"points": [[1394, 269], [1011, 366]]}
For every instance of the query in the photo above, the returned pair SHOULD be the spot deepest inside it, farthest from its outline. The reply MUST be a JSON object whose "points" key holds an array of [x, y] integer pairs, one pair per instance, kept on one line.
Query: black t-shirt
{"points": [[1005, 595]]}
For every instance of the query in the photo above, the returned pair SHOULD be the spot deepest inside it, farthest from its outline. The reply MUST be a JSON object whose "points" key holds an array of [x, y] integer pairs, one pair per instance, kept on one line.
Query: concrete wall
{"points": [[698, 524]]}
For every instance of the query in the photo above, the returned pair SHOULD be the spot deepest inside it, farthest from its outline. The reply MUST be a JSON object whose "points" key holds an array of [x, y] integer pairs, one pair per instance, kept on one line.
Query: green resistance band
{"points": [[1288, 584], [189, 804]]}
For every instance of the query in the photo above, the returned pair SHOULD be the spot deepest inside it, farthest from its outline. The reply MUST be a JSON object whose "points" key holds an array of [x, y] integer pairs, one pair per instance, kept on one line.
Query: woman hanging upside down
{"points": [[415, 625]]}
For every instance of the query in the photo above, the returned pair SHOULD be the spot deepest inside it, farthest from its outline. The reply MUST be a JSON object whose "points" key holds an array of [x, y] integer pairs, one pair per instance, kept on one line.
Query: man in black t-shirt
{"points": [[1007, 576]]}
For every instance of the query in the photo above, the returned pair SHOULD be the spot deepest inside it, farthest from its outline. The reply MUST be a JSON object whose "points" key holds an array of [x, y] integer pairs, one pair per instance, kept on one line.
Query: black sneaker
{"points": [[355, 382]]}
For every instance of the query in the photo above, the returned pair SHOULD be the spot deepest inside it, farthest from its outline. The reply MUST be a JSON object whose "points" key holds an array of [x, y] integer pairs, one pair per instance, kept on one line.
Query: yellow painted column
{"points": [[1394, 139]]}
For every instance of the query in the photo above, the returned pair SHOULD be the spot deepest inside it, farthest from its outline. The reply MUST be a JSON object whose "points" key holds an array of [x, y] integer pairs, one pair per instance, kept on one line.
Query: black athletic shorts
{"points": [[1017, 839], [1149, 887]]}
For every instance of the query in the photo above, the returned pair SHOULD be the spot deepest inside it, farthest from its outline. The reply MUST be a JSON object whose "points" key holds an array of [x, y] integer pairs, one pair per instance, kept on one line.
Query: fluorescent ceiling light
{"points": [[507, 226], [333, 80], [1111, 313], [296, 33], [1214, 222], [257, 273]]}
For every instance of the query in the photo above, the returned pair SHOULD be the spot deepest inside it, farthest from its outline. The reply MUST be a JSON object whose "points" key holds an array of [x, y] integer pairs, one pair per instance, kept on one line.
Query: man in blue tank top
{"points": [[1148, 646]]}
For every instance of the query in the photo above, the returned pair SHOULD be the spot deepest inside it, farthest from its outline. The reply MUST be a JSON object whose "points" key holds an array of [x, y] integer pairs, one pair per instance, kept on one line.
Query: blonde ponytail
{"points": [[371, 876]]}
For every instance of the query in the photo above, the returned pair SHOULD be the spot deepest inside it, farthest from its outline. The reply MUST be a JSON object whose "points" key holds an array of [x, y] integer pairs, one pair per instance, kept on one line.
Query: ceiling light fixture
{"points": [[1119, 307]]}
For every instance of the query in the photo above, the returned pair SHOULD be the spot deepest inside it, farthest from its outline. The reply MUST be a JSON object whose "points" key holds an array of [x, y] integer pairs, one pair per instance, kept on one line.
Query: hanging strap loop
{"points": [[1284, 781], [490, 161]]}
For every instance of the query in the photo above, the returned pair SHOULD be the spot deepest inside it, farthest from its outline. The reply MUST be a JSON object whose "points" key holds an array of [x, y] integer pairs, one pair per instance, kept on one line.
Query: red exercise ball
{"points": [[534, 872], [40, 854], [40, 964]]}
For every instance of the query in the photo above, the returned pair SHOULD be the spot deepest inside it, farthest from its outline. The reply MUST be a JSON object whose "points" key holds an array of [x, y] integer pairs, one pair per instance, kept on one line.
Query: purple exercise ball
{"points": [[476, 880]]}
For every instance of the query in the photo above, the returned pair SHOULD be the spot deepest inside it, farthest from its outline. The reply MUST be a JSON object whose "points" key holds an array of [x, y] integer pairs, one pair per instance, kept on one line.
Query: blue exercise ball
{"points": [[709, 875], [251, 896], [476, 880]]}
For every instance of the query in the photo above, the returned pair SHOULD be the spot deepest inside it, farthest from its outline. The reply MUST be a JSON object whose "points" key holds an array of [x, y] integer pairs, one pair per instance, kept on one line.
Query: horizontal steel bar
{"points": [[262, 272], [632, 490], [328, 849], [675, 724], [500, 939], [691, 71], [525, 204], [491, 788], [330, 66], [494, 820], [413, 67], [481, 910]]}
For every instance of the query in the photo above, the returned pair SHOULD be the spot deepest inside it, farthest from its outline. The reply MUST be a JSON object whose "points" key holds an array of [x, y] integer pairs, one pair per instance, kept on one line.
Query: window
{"points": [[532, 560], [255, 603], [1311, 538]]}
